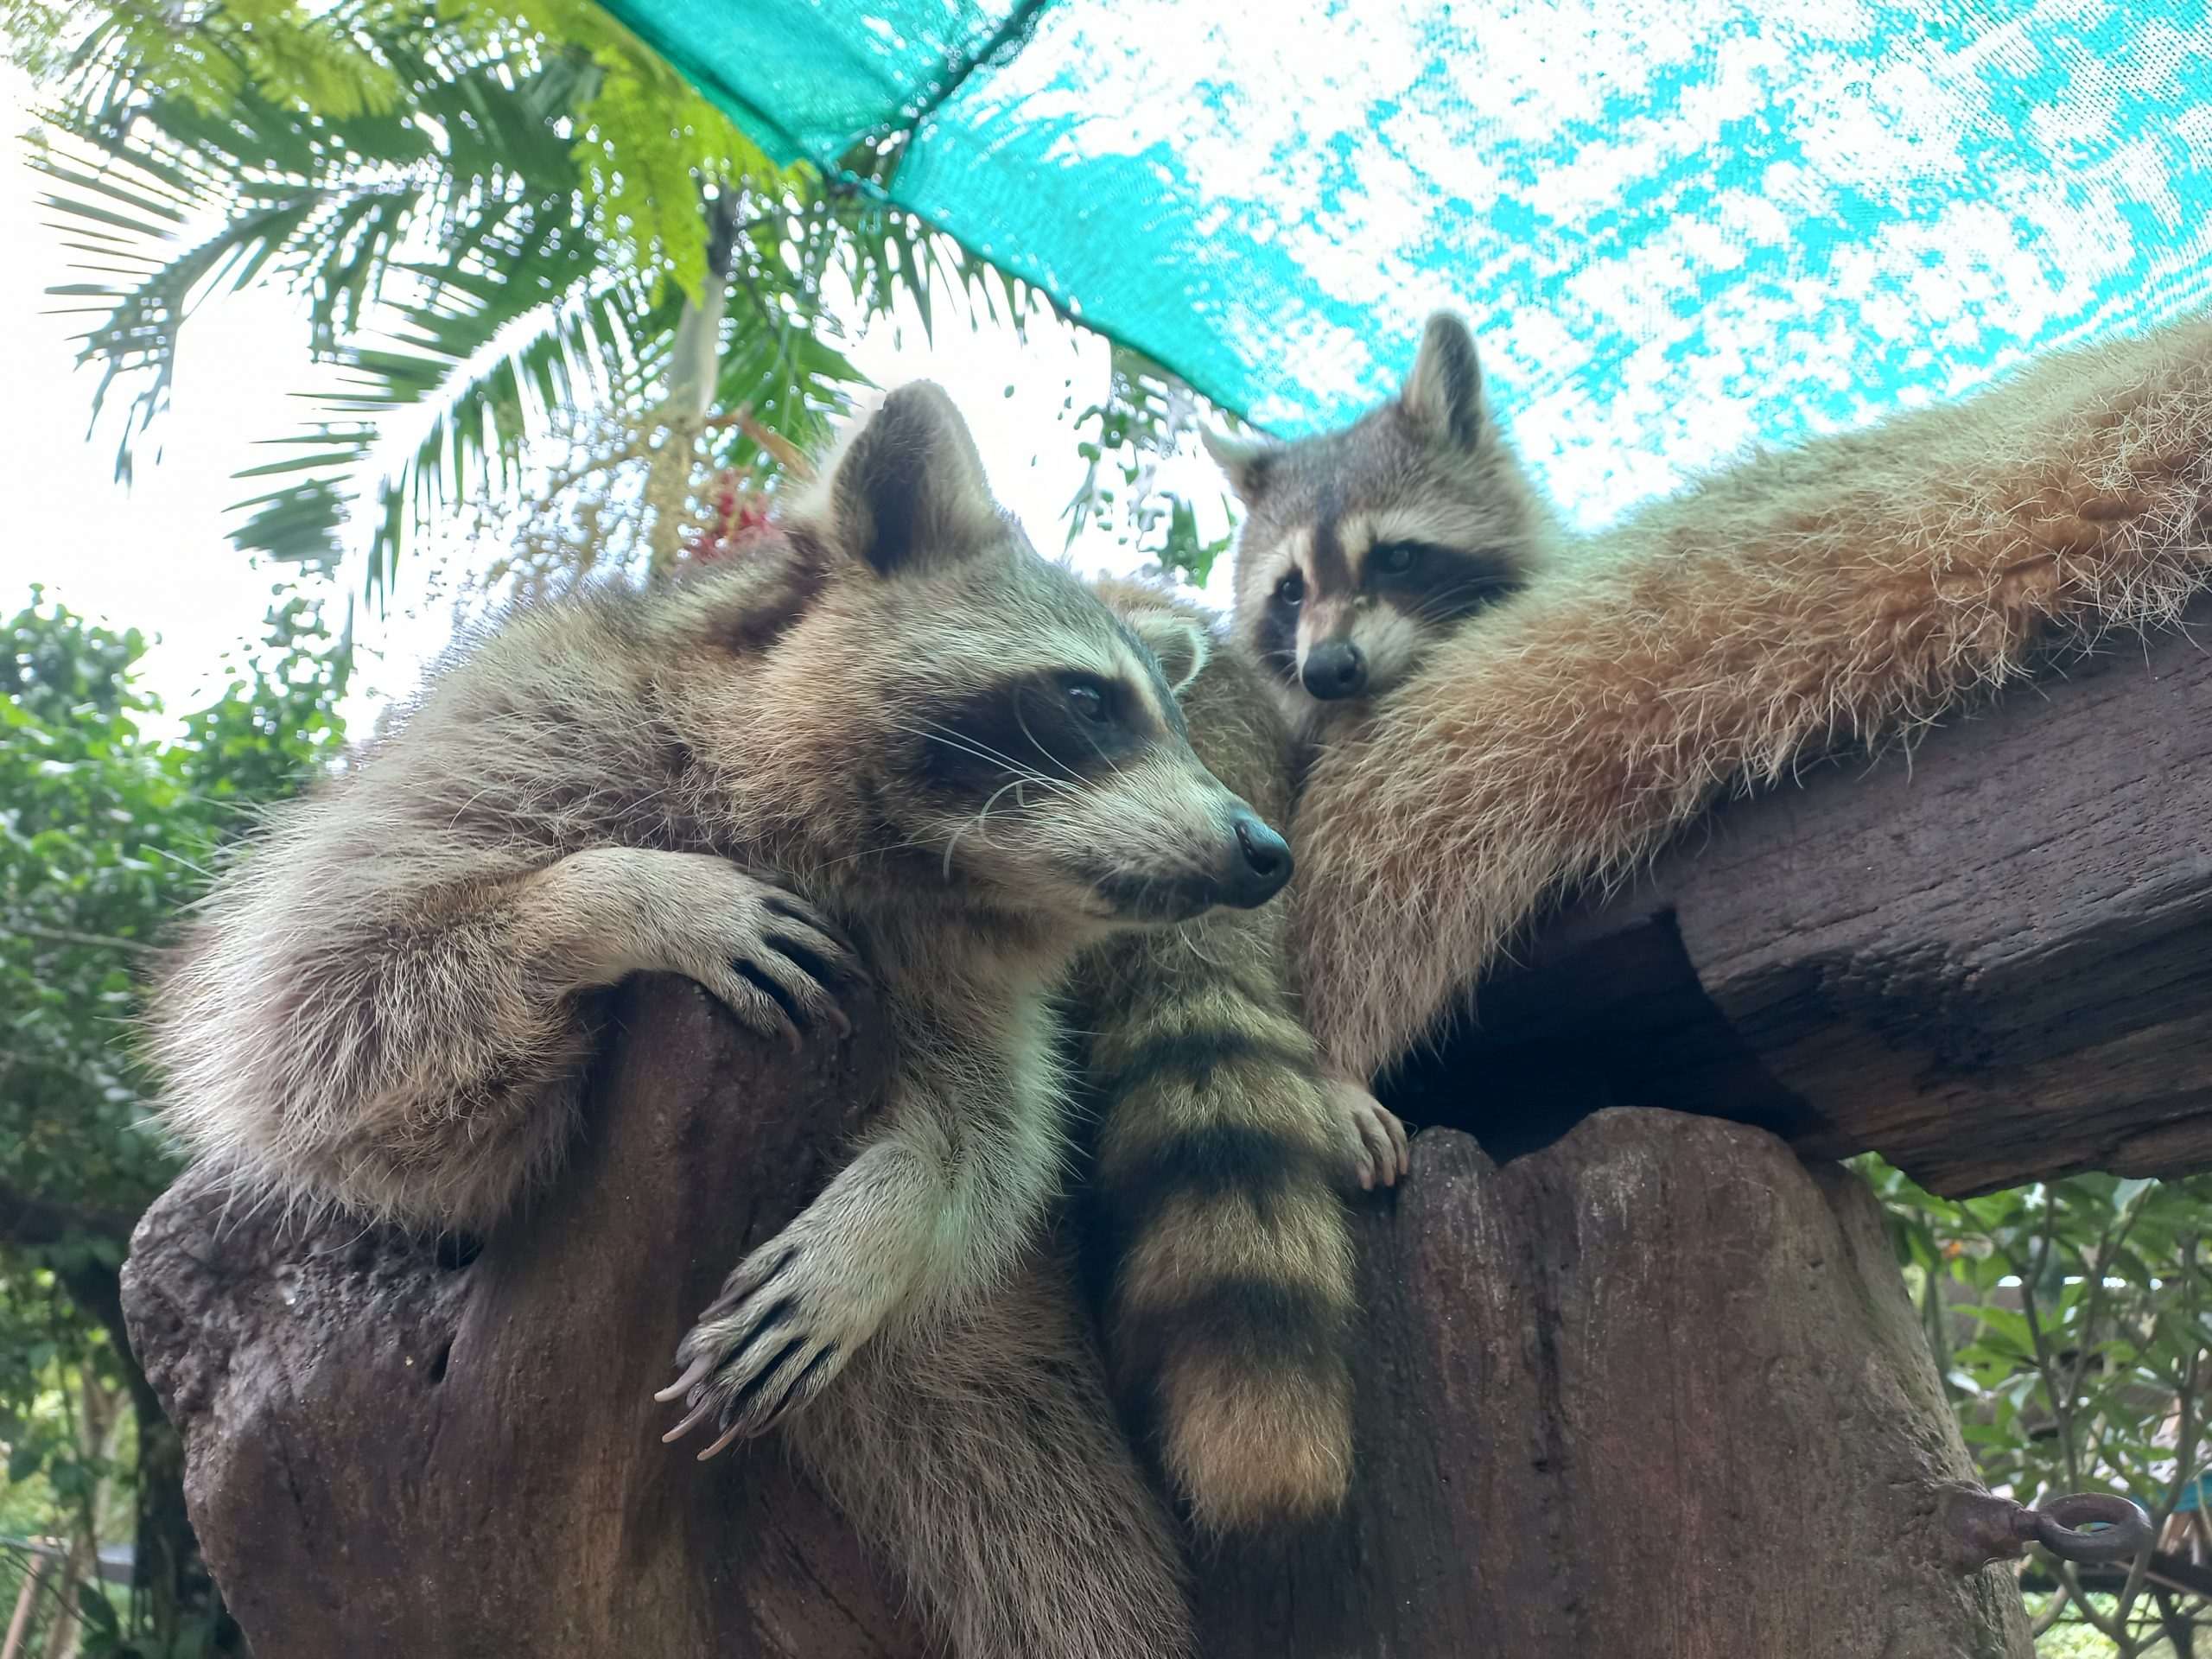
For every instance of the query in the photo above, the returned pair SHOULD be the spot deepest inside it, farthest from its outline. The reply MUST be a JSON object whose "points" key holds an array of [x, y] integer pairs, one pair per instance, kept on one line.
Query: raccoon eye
{"points": [[1088, 700], [1395, 558], [1291, 589]]}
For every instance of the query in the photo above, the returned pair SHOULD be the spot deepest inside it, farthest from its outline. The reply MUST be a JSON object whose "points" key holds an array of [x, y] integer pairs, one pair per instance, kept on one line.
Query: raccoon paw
{"points": [[1374, 1139], [772, 960], [771, 1342]]}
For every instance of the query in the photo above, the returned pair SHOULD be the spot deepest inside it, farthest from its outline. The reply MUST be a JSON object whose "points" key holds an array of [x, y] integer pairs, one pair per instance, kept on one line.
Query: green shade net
{"points": [[1677, 228]]}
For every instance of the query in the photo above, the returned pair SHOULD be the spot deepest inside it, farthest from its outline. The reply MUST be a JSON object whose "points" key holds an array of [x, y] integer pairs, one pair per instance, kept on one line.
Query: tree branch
{"points": [[28, 1220], [70, 935]]}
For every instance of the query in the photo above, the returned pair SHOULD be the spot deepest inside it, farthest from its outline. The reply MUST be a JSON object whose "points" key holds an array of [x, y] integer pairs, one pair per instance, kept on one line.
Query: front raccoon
{"points": [[1361, 547], [969, 767]]}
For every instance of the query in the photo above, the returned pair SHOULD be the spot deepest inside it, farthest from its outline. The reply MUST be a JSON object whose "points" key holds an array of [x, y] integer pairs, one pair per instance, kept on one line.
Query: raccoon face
{"points": [[1062, 772], [991, 725], [1362, 546]]}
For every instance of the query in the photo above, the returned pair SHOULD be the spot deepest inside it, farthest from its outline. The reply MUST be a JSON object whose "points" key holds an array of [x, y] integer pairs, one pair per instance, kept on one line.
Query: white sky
{"points": [[155, 556]]}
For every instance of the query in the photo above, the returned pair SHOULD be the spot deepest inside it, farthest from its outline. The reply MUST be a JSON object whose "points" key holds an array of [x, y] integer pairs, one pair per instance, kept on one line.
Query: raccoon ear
{"points": [[909, 487], [1180, 642], [1246, 461], [1443, 395]]}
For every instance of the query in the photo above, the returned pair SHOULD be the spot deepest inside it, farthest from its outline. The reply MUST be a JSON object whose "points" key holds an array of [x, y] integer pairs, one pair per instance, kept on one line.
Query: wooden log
{"points": [[1654, 1391], [401, 1447], [1990, 961]]}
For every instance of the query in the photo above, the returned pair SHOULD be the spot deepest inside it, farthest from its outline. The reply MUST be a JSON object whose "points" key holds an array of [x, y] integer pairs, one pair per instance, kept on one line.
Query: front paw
{"points": [[1374, 1139], [772, 1341], [776, 962]]}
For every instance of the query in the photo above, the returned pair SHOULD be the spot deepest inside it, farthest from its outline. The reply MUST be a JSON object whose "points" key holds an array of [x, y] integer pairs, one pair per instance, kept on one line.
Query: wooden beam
{"points": [[1989, 960]]}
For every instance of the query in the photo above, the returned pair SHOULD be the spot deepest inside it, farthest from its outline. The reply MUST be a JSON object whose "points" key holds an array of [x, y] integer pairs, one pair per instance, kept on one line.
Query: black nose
{"points": [[1336, 668], [1259, 867]]}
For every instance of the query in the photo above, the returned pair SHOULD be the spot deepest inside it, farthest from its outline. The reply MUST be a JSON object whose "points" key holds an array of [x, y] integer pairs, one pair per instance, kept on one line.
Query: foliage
{"points": [[108, 829], [2072, 1323], [491, 211], [1145, 412], [494, 211]]}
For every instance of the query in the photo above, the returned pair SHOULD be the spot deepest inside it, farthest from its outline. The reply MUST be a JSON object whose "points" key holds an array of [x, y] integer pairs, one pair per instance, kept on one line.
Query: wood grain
{"points": [[1653, 1392], [397, 1446], [1989, 960]]}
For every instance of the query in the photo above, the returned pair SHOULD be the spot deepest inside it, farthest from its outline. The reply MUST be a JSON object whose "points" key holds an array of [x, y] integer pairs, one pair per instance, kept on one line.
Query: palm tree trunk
{"points": [[694, 370]]}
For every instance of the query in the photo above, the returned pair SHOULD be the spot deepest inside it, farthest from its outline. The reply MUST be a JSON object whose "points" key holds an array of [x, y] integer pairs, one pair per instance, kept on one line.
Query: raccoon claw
{"points": [[729, 1435], [692, 1378], [782, 969], [749, 1394], [791, 911], [698, 1414], [756, 1355]]}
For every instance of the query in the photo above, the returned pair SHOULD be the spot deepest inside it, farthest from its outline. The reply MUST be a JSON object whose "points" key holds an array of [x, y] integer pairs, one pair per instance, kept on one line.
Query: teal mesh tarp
{"points": [[1677, 226]]}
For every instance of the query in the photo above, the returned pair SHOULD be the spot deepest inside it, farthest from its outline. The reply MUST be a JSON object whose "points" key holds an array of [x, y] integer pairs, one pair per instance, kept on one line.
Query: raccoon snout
{"points": [[1336, 668], [1250, 866], [1258, 867]]}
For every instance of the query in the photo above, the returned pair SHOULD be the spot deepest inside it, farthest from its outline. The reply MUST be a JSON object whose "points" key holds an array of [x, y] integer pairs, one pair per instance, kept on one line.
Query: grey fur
{"points": [[389, 1005], [1429, 468]]}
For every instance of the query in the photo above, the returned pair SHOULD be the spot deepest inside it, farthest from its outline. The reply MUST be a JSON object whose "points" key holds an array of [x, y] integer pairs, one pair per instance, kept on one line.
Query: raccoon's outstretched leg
{"points": [[406, 1034], [979, 1456], [1842, 593]]}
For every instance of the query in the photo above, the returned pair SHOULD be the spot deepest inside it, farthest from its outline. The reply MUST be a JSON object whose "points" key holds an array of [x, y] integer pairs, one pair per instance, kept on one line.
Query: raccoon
{"points": [[970, 770], [1219, 1156], [1843, 592], [1361, 547]]}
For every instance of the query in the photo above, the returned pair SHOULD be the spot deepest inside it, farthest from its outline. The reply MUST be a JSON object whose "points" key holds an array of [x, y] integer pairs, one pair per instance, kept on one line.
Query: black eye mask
{"points": [[1435, 584], [1065, 726]]}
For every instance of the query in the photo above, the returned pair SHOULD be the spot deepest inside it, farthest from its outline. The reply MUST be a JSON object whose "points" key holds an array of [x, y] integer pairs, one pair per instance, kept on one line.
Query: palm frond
{"points": [[503, 219]]}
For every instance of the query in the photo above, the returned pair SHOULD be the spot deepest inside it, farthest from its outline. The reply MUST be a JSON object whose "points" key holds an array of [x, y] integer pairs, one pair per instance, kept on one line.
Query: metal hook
{"points": [[2084, 1527]]}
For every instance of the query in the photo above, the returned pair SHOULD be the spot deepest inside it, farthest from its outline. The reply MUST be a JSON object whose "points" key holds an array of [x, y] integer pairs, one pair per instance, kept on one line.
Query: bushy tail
{"points": [[1229, 1303], [1219, 1163]]}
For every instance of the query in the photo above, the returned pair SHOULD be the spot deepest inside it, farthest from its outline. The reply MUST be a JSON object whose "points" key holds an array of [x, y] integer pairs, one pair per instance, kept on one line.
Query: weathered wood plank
{"points": [[1990, 961]]}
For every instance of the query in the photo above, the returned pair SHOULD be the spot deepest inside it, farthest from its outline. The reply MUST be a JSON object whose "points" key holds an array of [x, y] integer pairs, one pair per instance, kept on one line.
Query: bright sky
{"points": [[155, 556]]}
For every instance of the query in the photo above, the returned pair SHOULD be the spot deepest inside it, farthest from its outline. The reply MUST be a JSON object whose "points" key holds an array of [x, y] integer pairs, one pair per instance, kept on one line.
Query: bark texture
{"points": [[1655, 1390], [434, 1448]]}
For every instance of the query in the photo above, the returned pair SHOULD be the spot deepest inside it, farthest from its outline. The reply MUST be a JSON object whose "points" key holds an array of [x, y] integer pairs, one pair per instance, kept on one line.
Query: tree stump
{"points": [[1656, 1390], [434, 1449], [1651, 1387], [1653, 1392]]}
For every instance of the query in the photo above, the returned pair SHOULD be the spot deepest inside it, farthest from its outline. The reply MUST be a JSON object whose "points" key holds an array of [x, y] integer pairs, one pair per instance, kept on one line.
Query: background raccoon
{"points": [[966, 763], [1218, 1158], [1844, 591], [1360, 548]]}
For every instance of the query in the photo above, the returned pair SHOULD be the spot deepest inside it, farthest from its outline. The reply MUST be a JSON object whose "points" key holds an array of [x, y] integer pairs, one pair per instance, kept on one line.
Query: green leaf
{"points": [[97, 1613]]}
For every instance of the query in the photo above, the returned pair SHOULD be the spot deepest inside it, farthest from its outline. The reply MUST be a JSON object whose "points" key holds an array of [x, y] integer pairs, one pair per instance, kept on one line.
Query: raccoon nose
{"points": [[1260, 866], [1336, 668]]}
